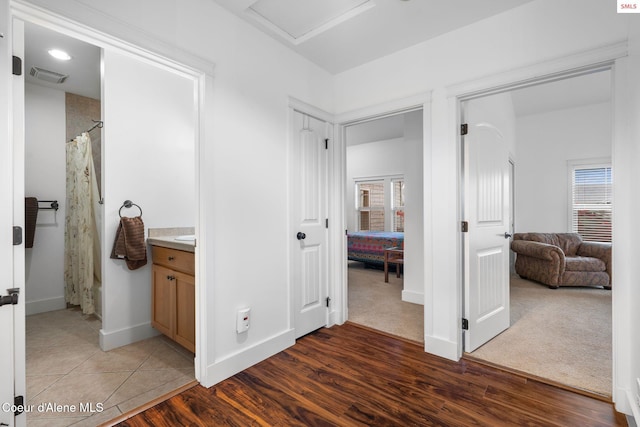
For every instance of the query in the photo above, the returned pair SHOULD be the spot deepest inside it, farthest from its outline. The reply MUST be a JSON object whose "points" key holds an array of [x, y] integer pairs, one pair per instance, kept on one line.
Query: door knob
{"points": [[300, 235], [507, 235], [12, 298]]}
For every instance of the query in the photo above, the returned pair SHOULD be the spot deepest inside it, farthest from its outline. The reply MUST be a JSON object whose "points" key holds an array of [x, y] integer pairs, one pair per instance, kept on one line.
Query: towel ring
{"points": [[128, 204]]}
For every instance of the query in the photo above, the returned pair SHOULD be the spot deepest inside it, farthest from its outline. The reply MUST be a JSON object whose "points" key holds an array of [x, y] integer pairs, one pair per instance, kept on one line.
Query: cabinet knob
{"points": [[171, 277], [171, 258]]}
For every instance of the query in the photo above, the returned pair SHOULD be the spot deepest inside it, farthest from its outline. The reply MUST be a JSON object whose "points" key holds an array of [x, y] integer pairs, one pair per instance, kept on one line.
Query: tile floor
{"points": [[65, 366]]}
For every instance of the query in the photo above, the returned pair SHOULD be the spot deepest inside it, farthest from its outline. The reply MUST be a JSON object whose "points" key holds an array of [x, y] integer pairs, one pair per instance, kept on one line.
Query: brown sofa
{"points": [[562, 259]]}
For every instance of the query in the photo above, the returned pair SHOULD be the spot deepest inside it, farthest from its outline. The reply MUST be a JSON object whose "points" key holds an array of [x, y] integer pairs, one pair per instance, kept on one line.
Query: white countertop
{"points": [[182, 239]]}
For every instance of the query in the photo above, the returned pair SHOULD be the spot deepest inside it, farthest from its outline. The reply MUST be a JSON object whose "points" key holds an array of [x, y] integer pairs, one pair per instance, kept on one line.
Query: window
{"points": [[590, 202], [380, 203], [397, 203], [370, 205]]}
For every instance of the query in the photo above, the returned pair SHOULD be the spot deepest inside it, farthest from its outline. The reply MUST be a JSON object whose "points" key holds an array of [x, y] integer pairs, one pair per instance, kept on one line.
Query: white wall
{"points": [[246, 135], [545, 142], [494, 50], [244, 158], [45, 177], [149, 158], [499, 44], [399, 156]]}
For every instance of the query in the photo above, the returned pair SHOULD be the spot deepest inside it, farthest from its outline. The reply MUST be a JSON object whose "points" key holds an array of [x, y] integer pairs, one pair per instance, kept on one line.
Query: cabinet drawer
{"points": [[175, 259]]}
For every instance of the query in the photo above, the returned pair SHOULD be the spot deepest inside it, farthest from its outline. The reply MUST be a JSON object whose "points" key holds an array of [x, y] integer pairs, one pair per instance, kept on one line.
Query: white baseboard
{"points": [[631, 406], [125, 336], [441, 347], [44, 305], [231, 365], [334, 318], [412, 296]]}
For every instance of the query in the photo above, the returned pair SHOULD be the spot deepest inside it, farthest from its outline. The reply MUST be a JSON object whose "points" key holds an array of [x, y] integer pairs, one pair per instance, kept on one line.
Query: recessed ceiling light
{"points": [[59, 54]]}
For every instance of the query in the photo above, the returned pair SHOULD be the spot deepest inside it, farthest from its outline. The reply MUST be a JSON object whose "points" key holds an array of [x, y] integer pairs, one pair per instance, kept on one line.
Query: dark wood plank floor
{"points": [[350, 376]]}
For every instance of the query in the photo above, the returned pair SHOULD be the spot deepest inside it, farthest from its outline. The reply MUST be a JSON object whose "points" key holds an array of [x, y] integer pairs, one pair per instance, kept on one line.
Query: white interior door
{"points": [[486, 202], [309, 199], [6, 215], [12, 320]]}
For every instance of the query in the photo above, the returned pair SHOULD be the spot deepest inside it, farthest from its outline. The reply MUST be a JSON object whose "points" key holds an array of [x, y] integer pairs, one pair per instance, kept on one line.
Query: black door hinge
{"points": [[328, 301], [326, 223], [326, 143], [464, 226], [17, 66], [464, 129], [465, 324], [18, 402]]}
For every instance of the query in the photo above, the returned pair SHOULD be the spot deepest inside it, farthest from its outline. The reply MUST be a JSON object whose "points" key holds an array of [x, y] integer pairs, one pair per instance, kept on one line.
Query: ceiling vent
{"points": [[47, 76]]}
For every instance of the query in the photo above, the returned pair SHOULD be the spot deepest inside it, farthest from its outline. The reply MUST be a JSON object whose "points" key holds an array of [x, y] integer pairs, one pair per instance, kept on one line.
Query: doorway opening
{"points": [[65, 361], [552, 334], [384, 219]]}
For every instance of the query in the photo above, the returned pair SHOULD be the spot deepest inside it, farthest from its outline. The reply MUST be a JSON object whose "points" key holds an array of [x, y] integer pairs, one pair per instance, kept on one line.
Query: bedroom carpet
{"points": [[378, 305], [560, 334]]}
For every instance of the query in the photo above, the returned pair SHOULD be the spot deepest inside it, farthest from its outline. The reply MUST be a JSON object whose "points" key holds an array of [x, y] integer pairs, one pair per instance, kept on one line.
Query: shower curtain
{"points": [[81, 239]]}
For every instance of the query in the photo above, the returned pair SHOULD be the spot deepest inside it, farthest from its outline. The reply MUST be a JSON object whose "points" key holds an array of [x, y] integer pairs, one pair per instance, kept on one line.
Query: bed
{"points": [[369, 246]]}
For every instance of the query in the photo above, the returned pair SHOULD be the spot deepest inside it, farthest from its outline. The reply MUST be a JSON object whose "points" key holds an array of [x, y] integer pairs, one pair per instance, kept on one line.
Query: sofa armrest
{"points": [[539, 261], [598, 250], [538, 250]]}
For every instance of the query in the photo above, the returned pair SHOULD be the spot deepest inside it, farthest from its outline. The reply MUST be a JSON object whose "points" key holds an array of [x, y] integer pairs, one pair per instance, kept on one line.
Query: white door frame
{"points": [[194, 68], [601, 59], [337, 203]]}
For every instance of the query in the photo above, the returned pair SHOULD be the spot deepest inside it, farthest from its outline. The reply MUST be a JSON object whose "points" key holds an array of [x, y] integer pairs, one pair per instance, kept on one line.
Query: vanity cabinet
{"points": [[173, 310]]}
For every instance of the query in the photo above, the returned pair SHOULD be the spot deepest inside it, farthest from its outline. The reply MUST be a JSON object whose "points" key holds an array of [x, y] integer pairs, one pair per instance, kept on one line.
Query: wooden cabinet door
{"points": [[163, 300], [185, 325]]}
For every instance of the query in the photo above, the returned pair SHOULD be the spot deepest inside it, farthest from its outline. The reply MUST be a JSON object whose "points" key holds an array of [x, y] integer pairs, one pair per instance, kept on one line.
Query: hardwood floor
{"points": [[347, 375]]}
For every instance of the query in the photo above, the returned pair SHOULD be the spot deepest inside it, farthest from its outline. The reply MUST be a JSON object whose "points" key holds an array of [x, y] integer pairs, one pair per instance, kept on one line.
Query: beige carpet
{"points": [[560, 334], [378, 305]]}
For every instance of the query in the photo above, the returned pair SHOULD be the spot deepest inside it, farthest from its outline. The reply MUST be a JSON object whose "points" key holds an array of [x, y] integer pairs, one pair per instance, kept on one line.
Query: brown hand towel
{"points": [[30, 217], [129, 243]]}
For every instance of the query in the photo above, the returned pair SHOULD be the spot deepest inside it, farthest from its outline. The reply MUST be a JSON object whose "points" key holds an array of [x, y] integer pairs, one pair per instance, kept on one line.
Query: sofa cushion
{"points": [[569, 243], [584, 263]]}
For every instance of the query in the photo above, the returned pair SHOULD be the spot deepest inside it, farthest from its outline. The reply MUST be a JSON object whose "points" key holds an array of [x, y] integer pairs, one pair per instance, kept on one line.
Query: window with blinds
{"points": [[397, 204], [371, 205], [590, 210]]}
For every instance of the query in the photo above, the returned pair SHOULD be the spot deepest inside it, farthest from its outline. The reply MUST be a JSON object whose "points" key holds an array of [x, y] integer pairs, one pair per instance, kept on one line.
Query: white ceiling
{"points": [[408, 22], [337, 37], [83, 69]]}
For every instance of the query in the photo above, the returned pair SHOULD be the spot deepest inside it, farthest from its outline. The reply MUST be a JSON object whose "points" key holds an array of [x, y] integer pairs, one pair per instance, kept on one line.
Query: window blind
{"points": [[397, 208], [371, 205], [591, 203]]}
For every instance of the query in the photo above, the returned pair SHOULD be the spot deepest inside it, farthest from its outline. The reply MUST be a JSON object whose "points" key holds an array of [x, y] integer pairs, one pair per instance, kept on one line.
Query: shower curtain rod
{"points": [[98, 124]]}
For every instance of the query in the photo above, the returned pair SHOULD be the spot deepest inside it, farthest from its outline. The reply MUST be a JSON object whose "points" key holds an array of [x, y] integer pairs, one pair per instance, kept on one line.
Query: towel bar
{"points": [[54, 205], [128, 204]]}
